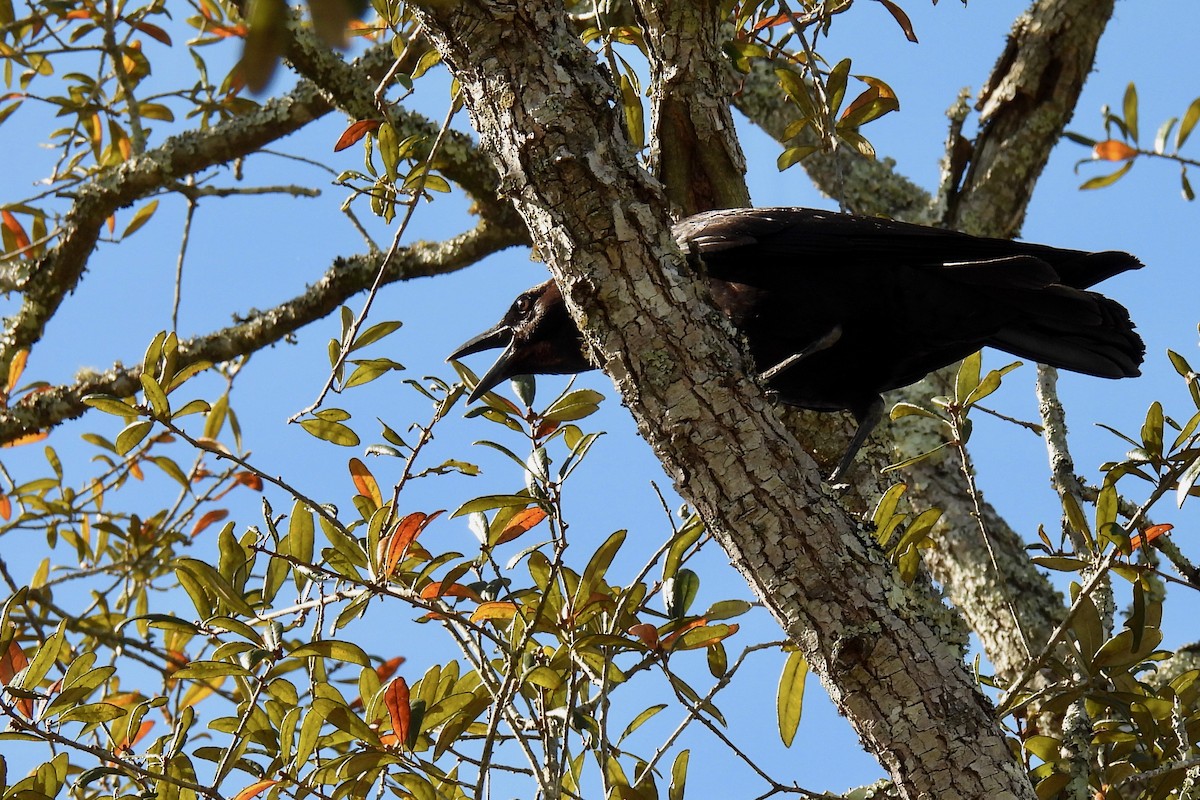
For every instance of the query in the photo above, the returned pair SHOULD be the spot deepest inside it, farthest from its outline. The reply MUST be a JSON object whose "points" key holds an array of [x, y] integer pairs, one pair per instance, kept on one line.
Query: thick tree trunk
{"points": [[884, 650]]}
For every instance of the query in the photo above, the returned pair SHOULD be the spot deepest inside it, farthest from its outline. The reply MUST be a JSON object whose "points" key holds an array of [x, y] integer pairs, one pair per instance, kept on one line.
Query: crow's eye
{"points": [[524, 303]]}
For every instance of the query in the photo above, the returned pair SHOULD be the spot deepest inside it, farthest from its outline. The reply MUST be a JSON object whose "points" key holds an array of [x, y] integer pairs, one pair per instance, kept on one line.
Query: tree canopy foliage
{"points": [[183, 620]]}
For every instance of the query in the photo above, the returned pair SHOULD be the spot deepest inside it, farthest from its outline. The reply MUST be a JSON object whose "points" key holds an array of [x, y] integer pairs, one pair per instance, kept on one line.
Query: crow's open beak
{"points": [[499, 336]]}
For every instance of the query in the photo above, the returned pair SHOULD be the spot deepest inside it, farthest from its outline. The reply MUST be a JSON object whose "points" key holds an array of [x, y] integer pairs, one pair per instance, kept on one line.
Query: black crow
{"points": [[838, 308]]}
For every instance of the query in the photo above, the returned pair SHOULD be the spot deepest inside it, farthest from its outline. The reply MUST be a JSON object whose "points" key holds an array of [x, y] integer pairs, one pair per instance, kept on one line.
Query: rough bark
{"points": [[551, 120], [693, 148], [1023, 110]]}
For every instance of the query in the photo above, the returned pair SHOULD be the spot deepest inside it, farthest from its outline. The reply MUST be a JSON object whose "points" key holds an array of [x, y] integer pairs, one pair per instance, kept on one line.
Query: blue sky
{"points": [[247, 253]]}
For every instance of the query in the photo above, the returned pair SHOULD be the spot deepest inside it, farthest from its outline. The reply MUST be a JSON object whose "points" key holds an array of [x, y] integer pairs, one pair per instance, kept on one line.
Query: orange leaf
{"points": [[153, 31], [356, 132], [1150, 534], [255, 789], [396, 544], [215, 515], [520, 523], [15, 228], [647, 633], [15, 368], [1113, 150], [776, 19], [396, 698], [388, 668], [11, 663], [5, 507], [78, 13], [671, 637], [111, 222], [436, 589], [496, 610], [28, 438], [365, 482], [250, 480]]}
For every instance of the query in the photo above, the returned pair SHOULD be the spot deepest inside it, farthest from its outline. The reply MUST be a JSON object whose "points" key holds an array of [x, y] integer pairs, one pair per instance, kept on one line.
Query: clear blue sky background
{"points": [[247, 253]]}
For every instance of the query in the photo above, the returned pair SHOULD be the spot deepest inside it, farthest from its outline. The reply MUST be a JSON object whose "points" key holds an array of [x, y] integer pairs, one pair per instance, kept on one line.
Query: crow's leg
{"points": [[867, 418], [826, 341]]}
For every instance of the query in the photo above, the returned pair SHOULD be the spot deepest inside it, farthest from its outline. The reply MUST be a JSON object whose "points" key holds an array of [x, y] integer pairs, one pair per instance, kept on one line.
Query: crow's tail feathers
{"points": [[1075, 330]]}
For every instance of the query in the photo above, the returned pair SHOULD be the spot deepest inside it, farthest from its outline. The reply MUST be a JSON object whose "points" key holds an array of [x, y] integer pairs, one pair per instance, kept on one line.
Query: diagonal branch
{"points": [[344, 279]]}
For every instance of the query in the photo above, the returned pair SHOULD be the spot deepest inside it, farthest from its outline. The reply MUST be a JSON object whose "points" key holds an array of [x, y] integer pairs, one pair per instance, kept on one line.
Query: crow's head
{"points": [[538, 337]]}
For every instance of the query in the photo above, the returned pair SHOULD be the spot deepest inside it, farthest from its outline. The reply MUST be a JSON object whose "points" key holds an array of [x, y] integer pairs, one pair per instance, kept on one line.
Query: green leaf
{"points": [[678, 775], [214, 583], [835, 85], [1187, 479], [110, 405], [492, 501], [794, 155], [331, 648], [679, 592], [132, 435], [967, 378], [206, 670], [597, 566], [639, 720], [368, 370], [375, 333], [727, 609], [1190, 118], [155, 396], [92, 713], [333, 432], [43, 659], [140, 218], [790, 698], [1107, 180], [1131, 111], [1152, 431], [631, 103], [573, 406], [192, 407], [680, 544]]}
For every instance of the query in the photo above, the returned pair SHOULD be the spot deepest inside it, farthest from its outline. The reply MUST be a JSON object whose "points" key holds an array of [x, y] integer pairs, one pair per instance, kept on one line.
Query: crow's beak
{"points": [[499, 336]]}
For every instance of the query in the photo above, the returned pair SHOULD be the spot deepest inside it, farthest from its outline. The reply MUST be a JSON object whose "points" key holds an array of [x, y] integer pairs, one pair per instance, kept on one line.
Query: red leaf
{"points": [[774, 20], [520, 523], [396, 544], [396, 699], [249, 480], [15, 228], [901, 19], [27, 438], [255, 789], [11, 663], [1150, 534], [356, 132], [647, 633], [5, 507], [153, 31], [365, 482], [208, 519], [438, 589]]}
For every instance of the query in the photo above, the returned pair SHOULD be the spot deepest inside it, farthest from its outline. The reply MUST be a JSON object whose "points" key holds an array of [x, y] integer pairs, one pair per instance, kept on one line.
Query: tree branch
{"points": [[344, 279]]}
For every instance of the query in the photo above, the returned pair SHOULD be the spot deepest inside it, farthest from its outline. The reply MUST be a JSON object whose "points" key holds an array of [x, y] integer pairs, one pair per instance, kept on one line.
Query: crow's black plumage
{"points": [[838, 308]]}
